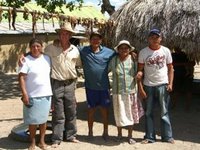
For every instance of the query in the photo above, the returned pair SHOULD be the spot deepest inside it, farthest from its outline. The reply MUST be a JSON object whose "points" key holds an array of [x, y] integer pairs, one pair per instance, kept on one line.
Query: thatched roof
{"points": [[179, 21]]}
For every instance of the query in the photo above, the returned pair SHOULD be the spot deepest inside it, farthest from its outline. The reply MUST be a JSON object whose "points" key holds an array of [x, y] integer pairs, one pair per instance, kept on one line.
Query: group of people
{"points": [[53, 74]]}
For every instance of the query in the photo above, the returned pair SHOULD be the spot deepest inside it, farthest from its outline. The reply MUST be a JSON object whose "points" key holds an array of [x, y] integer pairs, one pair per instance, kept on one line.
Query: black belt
{"points": [[66, 82]]}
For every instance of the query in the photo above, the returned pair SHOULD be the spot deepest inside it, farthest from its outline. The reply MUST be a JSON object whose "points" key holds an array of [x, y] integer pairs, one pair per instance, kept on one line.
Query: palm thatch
{"points": [[179, 21]]}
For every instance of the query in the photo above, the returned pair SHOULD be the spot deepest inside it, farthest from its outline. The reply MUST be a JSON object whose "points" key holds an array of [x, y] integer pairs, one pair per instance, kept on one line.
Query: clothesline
{"points": [[37, 15]]}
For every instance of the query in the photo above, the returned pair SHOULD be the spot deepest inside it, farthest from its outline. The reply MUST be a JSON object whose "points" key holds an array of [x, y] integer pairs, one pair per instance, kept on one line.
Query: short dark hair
{"points": [[35, 40]]}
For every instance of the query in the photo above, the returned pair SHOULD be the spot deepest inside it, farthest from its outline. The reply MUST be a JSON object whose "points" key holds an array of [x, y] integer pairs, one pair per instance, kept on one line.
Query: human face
{"points": [[154, 40], [95, 41], [64, 37], [123, 50], [36, 49]]}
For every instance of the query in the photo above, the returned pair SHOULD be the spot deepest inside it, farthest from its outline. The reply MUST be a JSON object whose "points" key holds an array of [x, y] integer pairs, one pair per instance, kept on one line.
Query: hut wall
{"points": [[12, 45]]}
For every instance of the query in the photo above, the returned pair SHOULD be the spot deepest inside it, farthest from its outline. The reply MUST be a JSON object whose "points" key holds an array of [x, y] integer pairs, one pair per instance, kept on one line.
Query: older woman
{"points": [[34, 80], [127, 107]]}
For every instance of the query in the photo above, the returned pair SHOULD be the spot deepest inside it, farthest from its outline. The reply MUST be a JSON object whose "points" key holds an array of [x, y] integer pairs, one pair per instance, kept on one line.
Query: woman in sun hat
{"points": [[127, 107]]}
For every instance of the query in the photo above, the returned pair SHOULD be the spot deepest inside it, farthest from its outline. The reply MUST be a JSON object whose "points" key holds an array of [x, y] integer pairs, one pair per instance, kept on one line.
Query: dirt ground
{"points": [[186, 125]]}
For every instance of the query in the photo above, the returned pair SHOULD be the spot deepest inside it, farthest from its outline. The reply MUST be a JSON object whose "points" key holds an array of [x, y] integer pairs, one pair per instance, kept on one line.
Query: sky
{"points": [[116, 3]]}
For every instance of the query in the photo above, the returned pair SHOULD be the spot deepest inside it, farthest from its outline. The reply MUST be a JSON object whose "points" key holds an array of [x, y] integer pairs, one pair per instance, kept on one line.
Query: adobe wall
{"points": [[12, 45]]}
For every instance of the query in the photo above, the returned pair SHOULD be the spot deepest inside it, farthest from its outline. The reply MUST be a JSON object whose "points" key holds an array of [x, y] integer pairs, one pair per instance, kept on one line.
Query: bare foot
{"points": [[90, 136], [74, 140], [43, 146], [55, 145], [31, 147], [118, 138]]}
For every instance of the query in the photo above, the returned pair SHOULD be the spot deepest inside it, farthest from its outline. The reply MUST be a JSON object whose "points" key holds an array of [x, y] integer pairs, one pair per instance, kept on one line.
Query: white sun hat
{"points": [[124, 42]]}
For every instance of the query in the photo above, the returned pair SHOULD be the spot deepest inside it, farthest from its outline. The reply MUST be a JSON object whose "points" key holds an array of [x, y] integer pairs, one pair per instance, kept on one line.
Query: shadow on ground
{"points": [[7, 81], [9, 86], [186, 125]]}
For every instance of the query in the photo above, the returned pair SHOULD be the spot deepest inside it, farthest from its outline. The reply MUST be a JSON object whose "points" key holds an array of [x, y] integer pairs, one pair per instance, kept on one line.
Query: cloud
{"points": [[117, 3]]}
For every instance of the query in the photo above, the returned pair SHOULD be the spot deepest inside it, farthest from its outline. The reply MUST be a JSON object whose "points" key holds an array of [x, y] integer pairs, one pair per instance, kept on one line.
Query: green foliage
{"points": [[5, 15], [13, 3], [50, 5], [83, 12]]}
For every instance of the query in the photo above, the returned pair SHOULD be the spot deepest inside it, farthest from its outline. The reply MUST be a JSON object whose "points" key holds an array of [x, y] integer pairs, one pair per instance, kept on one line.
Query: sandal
{"points": [[145, 141], [55, 145], [171, 141], [131, 141], [31, 147], [74, 140], [43, 146]]}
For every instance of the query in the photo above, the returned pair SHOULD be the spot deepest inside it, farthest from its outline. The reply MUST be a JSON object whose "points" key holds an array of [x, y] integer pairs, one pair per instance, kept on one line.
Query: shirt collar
{"points": [[100, 48]]}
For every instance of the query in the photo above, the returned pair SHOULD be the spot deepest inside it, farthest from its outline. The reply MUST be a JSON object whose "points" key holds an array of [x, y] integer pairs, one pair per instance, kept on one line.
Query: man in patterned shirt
{"points": [[155, 63]]}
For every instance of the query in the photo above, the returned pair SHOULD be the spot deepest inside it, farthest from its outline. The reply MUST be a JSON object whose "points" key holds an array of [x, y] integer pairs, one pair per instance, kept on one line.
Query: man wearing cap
{"points": [[155, 63], [95, 59], [64, 59]]}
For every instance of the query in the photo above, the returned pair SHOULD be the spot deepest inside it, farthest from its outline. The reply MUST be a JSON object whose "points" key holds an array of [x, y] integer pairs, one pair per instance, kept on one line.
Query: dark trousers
{"points": [[64, 110]]}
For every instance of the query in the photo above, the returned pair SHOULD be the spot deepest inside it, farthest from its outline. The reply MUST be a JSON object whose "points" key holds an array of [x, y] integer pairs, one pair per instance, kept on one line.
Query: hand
{"points": [[21, 60], [142, 94], [52, 106], [139, 75], [169, 88], [133, 55], [25, 99]]}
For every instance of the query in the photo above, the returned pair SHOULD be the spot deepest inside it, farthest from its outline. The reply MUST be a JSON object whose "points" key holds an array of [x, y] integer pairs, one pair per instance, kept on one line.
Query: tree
{"points": [[107, 7], [50, 5]]}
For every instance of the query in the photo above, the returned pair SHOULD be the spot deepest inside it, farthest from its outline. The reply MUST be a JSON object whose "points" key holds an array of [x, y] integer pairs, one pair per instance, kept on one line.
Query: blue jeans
{"points": [[161, 95]]}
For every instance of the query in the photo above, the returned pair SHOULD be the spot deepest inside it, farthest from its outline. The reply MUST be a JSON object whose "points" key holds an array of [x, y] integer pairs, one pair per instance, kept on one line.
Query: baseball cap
{"points": [[155, 32], [96, 34]]}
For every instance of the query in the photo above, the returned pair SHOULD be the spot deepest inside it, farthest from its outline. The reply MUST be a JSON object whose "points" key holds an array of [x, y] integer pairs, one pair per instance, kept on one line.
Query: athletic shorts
{"points": [[98, 98]]}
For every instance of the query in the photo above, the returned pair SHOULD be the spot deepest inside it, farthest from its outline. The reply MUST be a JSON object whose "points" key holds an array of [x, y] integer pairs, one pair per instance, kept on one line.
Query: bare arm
{"points": [[133, 55], [79, 62], [21, 59], [170, 77], [22, 84], [139, 78]]}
